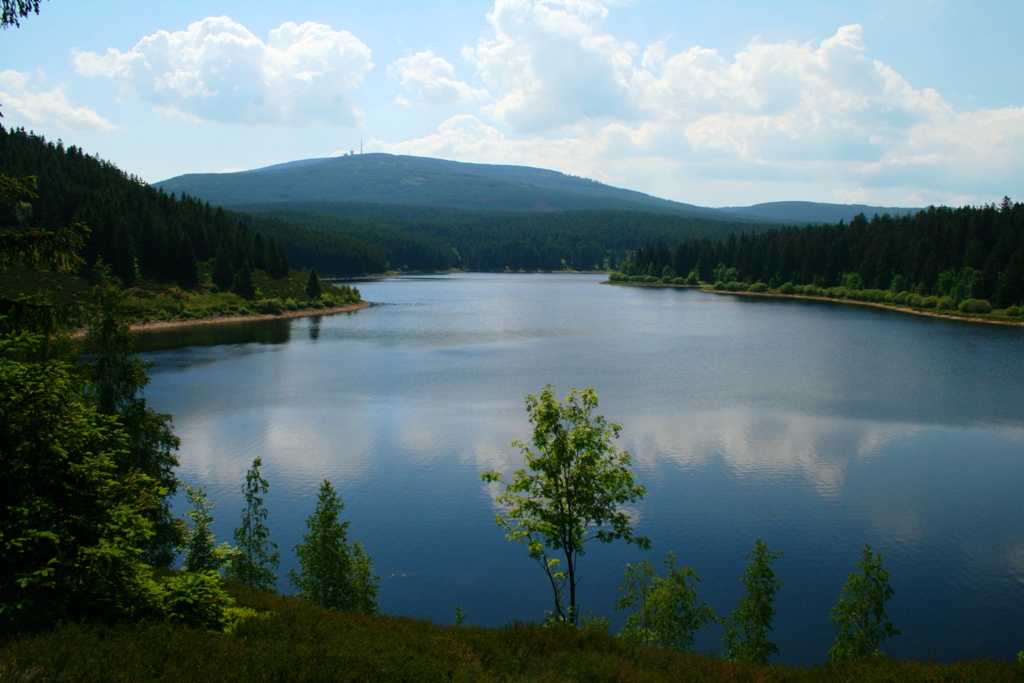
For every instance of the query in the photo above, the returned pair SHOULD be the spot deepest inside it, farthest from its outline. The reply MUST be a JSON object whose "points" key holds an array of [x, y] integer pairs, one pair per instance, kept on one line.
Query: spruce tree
{"points": [[222, 275], [188, 269], [313, 285], [242, 285]]}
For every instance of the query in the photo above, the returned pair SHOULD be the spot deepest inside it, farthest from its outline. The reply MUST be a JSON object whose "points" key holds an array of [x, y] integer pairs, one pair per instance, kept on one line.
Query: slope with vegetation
{"points": [[969, 260]]}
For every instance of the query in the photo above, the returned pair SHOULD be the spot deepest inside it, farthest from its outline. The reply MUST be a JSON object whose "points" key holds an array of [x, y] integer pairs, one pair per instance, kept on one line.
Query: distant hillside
{"points": [[802, 213], [390, 179]]}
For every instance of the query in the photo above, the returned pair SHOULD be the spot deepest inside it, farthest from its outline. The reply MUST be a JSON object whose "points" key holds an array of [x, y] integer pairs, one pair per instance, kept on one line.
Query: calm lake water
{"points": [[817, 427]]}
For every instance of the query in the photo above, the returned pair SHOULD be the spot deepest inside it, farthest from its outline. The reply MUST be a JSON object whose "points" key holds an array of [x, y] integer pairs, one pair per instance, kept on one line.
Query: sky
{"points": [[709, 102]]}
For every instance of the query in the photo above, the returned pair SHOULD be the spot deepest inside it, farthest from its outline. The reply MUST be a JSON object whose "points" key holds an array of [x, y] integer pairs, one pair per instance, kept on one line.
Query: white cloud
{"points": [[551, 65], [25, 104], [786, 120], [433, 80], [216, 70]]}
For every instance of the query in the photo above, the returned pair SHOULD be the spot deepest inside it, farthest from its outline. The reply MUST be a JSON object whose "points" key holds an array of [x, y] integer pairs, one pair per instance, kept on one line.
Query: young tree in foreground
{"points": [[572, 490], [859, 615], [254, 562], [666, 613], [72, 524], [746, 629], [116, 379], [201, 555], [332, 573]]}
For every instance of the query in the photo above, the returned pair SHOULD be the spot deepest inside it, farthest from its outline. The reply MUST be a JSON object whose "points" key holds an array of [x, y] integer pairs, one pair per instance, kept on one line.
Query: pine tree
{"points": [[188, 269], [222, 275], [257, 557], [313, 285], [242, 285], [201, 555]]}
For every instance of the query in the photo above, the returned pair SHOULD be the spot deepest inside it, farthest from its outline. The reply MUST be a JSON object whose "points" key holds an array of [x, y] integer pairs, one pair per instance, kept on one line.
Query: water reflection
{"points": [[816, 427]]}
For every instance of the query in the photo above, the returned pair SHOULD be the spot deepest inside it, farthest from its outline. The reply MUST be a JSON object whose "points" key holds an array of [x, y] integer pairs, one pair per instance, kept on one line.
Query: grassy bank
{"points": [[904, 302], [150, 302], [292, 640]]}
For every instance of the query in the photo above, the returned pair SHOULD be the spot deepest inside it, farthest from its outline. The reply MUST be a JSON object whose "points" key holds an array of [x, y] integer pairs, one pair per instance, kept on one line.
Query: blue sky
{"points": [[716, 103]]}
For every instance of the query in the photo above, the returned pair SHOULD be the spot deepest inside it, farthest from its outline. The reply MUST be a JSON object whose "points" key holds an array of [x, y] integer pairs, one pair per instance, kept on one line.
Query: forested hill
{"points": [[810, 213], [143, 232], [391, 179], [963, 253]]}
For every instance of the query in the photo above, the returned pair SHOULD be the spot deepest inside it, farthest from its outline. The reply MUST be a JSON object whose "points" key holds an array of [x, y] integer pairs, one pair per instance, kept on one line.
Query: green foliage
{"points": [[746, 629], [196, 600], [285, 639], [256, 556], [977, 306], [74, 525], [666, 613], [961, 253], [116, 378], [201, 552], [12, 10], [460, 616], [859, 616], [313, 285], [571, 492], [759, 287], [332, 573]]}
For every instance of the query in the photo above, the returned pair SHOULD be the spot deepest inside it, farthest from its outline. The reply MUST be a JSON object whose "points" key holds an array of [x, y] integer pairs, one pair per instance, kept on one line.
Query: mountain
{"points": [[422, 181], [803, 213]]}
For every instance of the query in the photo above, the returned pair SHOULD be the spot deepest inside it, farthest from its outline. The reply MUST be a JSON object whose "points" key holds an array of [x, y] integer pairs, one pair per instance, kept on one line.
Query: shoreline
{"points": [[167, 325], [853, 302]]}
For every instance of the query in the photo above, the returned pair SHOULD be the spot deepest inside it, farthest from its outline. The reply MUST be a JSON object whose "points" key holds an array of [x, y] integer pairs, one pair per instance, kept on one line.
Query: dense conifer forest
{"points": [[145, 233], [947, 253]]}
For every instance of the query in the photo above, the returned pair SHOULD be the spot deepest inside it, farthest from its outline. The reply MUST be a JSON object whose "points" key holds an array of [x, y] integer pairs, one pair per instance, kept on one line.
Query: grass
{"points": [[293, 640]]}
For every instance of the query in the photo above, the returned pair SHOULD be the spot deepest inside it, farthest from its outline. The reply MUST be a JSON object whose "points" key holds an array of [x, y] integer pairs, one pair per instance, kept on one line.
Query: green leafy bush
{"points": [[787, 288], [945, 303], [977, 306], [666, 613], [735, 286], [274, 306], [195, 599], [929, 302], [758, 287]]}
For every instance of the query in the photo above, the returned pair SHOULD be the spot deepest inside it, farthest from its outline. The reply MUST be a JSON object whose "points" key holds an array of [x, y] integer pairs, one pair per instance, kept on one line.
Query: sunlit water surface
{"points": [[816, 427]]}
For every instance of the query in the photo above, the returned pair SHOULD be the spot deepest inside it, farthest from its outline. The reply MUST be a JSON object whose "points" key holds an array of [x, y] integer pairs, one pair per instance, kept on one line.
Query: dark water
{"points": [[817, 427]]}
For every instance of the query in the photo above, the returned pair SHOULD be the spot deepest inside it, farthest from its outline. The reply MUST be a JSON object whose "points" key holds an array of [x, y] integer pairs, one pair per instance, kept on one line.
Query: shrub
{"points": [[976, 306], [929, 302], [195, 599], [811, 290], [1013, 312], [274, 306], [787, 288], [666, 280], [758, 287], [649, 279], [945, 303], [679, 281], [719, 285], [914, 299], [737, 286]]}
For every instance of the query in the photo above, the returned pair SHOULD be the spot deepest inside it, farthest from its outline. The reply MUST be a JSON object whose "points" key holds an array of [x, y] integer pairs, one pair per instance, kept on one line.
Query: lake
{"points": [[815, 426]]}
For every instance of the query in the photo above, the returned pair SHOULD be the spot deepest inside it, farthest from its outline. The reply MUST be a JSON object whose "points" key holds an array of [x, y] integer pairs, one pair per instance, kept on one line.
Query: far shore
{"points": [[166, 325], [888, 307]]}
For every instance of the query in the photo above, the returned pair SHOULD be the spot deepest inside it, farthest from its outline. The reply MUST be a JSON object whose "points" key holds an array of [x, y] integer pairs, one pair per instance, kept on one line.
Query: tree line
{"points": [[961, 253], [144, 233], [437, 239]]}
